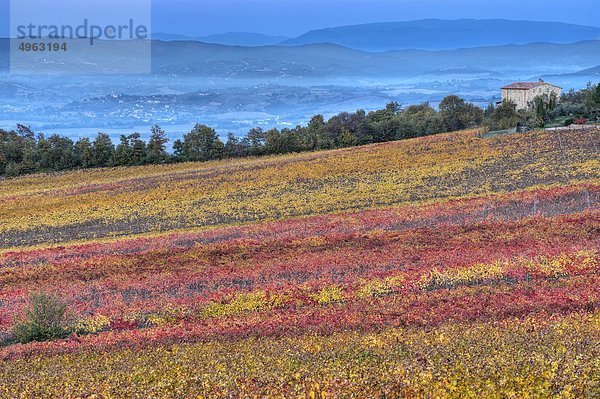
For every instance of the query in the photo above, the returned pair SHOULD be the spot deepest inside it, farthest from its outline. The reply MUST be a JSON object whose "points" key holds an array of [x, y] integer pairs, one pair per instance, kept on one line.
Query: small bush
{"points": [[45, 319]]}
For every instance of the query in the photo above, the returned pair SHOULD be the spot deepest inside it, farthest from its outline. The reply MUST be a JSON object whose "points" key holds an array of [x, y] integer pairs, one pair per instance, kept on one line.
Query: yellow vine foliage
{"points": [[329, 295], [559, 266], [91, 325], [242, 303], [379, 287], [549, 266], [117, 202], [520, 358]]}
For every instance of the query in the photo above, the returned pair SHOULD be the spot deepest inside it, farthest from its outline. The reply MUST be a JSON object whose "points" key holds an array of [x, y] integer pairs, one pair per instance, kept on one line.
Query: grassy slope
{"points": [[448, 266], [125, 202]]}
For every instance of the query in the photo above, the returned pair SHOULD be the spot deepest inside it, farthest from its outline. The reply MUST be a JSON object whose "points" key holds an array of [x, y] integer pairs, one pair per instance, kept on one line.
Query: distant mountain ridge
{"points": [[437, 34], [589, 74], [190, 58], [425, 34], [244, 39], [593, 71], [320, 60], [229, 38]]}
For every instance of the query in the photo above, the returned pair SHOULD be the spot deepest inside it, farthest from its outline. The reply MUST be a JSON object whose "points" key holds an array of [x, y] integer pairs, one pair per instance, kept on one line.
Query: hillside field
{"points": [[450, 266]]}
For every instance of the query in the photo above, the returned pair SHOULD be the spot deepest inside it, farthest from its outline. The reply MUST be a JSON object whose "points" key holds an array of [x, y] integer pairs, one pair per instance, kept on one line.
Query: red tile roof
{"points": [[528, 85], [524, 85]]}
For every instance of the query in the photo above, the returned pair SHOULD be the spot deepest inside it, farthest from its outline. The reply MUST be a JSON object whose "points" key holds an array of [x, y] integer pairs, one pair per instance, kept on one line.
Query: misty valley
{"points": [[236, 87]]}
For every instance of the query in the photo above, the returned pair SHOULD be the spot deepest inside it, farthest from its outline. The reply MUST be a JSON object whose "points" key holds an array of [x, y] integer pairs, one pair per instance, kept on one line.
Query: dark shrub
{"points": [[44, 319]]}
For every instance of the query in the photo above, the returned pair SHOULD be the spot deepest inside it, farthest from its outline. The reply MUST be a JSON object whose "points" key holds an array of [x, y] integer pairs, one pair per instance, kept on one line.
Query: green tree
{"points": [[55, 153], [29, 164], [25, 132], [383, 123], [505, 116], [103, 150], [419, 120], [234, 147], [3, 161], [489, 110], [273, 142], [315, 136], [139, 150], [132, 150], [12, 169], [358, 123], [157, 146], [123, 152], [84, 153], [178, 151], [255, 141], [218, 149], [593, 99], [20, 152], [290, 139], [347, 138], [539, 110], [458, 114], [201, 144]]}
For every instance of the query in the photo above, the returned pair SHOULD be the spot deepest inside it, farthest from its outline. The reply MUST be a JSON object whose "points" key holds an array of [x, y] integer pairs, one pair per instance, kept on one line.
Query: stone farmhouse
{"points": [[522, 93]]}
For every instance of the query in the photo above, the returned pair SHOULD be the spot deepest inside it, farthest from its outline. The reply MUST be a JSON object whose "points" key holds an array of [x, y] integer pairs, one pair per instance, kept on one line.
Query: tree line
{"points": [[24, 152]]}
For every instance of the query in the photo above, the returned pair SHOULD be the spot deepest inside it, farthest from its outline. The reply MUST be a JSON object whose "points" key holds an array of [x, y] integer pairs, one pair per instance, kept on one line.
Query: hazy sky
{"points": [[294, 17]]}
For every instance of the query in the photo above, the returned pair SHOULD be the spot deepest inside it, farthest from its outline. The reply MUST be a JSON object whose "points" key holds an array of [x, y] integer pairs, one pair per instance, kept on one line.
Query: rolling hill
{"points": [[243, 39], [434, 34], [317, 60], [359, 272], [594, 71], [322, 60], [225, 85], [230, 38]]}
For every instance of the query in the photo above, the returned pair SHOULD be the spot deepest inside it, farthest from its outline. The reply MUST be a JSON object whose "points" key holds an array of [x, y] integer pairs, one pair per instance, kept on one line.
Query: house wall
{"points": [[518, 97], [522, 97]]}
